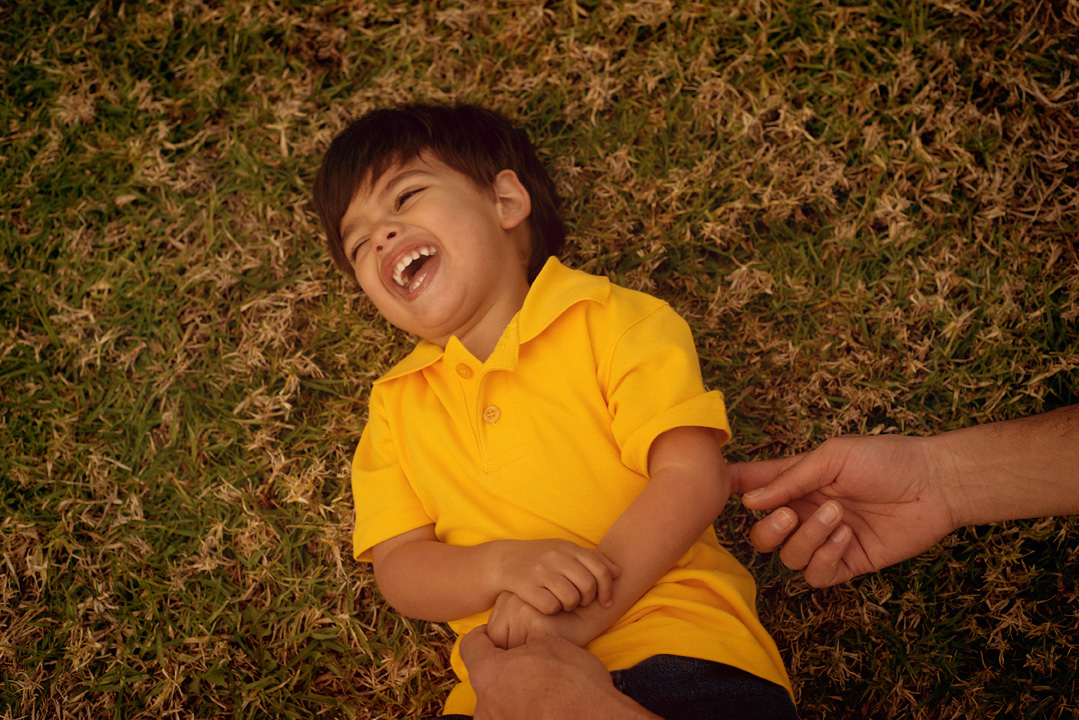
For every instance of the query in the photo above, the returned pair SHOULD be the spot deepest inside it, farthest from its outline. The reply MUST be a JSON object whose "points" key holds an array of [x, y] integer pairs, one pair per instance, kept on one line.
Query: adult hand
{"points": [[852, 506], [547, 679]]}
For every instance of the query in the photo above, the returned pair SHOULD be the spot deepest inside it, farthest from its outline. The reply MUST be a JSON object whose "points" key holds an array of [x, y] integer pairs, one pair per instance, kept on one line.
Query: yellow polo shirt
{"points": [[549, 438]]}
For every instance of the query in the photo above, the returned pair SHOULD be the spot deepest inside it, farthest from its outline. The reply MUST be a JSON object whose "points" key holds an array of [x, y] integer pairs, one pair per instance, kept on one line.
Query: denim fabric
{"points": [[682, 688]]}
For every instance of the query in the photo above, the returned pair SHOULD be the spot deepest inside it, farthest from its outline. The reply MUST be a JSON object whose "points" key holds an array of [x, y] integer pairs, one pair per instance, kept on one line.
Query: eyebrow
{"points": [[387, 189], [398, 179]]}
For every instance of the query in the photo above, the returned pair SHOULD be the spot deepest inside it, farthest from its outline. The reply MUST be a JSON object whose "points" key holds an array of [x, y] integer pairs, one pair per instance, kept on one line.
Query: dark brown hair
{"points": [[474, 141]]}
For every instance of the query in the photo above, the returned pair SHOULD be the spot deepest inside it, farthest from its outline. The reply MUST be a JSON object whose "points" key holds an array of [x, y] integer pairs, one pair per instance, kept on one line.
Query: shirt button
{"points": [[464, 371], [491, 413]]}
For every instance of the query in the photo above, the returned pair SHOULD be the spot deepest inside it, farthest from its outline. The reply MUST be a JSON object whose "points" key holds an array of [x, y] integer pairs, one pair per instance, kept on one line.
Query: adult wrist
{"points": [[1022, 468], [949, 466], [986, 473]]}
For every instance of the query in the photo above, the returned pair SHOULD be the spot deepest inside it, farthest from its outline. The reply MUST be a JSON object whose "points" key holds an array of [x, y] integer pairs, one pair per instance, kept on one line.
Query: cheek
{"points": [[370, 285], [366, 272]]}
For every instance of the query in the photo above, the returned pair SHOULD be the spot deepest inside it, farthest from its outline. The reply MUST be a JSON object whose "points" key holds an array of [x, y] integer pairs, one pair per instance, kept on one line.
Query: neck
{"points": [[483, 335], [481, 348]]}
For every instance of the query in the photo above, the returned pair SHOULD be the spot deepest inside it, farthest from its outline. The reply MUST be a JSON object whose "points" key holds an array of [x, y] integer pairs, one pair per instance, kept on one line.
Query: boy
{"points": [[546, 460]]}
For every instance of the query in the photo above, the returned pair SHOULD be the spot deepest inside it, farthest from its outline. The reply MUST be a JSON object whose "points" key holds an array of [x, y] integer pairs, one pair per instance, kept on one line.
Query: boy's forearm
{"points": [[425, 578], [1015, 469], [430, 580], [680, 502], [647, 540]]}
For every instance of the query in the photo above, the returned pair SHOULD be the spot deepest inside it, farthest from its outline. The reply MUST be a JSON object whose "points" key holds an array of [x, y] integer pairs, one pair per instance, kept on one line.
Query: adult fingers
{"points": [[827, 567], [771, 532], [800, 547], [480, 656], [791, 479], [749, 476]]}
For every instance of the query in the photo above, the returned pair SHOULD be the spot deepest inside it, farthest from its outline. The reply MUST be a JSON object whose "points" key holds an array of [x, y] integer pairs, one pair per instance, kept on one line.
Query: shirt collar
{"points": [[555, 290], [424, 354]]}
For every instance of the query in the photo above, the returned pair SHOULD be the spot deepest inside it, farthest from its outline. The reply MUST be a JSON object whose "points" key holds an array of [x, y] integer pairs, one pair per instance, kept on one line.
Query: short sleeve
{"points": [[386, 504], [654, 385]]}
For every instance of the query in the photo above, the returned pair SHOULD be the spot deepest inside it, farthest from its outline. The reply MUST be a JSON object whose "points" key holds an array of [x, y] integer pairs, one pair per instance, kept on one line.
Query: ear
{"points": [[514, 203]]}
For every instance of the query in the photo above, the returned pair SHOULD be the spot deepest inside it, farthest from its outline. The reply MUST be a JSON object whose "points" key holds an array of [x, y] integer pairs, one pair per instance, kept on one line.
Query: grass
{"points": [[868, 213]]}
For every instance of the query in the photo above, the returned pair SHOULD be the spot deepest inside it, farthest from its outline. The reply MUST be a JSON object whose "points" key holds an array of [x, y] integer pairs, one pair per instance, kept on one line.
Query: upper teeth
{"points": [[408, 259]]}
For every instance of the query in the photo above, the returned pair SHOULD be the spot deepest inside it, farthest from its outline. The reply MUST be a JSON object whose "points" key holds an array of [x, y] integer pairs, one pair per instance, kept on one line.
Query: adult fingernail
{"points": [[782, 520], [753, 494], [829, 513], [841, 534]]}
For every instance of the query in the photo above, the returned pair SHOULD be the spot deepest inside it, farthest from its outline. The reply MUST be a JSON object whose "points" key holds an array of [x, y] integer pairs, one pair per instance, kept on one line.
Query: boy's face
{"points": [[438, 255]]}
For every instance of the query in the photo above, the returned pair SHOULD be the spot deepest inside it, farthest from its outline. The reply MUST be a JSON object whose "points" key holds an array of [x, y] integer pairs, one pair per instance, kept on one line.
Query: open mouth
{"points": [[409, 271]]}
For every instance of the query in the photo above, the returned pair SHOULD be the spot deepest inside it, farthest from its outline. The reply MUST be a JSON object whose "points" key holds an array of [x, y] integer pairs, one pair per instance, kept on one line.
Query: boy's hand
{"points": [[514, 622], [555, 575]]}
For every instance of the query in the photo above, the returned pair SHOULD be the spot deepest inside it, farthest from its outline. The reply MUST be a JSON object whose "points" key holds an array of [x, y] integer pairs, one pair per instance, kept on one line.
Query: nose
{"points": [[384, 234]]}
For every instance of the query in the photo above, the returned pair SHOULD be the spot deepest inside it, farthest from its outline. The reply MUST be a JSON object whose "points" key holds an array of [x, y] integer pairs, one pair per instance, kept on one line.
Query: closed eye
{"points": [[356, 250], [405, 196]]}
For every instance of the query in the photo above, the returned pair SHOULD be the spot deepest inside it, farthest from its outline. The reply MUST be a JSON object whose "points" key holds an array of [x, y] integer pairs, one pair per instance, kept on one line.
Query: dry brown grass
{"points": [[868, 215]]}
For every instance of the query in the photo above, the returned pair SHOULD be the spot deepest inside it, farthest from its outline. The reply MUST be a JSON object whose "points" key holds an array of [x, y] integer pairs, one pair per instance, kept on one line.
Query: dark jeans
{"points": [[682, 688]]}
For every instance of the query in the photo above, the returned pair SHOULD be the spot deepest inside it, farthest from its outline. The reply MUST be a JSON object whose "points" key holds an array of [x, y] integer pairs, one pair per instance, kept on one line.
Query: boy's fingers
{"points": [[586, 576], [518, 635], [611, 566], [602, 573], [543, 599], [813, 533], [587, 588], [827, 567], [566, 593], [497, 632], [604, 590]]}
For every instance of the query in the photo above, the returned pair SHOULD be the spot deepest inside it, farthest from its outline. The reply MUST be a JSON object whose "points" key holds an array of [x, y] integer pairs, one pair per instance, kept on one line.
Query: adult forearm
{"points": [[1014, 469]]}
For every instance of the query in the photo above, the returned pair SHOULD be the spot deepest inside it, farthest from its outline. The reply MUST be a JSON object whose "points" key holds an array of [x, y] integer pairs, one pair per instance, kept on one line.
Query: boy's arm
{"points": [[687, 490], [424, 578]]}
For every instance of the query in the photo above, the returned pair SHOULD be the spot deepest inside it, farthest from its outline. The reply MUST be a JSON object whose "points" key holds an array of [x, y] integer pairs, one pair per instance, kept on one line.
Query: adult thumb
{"points": [[749, 477], [477, 648]]}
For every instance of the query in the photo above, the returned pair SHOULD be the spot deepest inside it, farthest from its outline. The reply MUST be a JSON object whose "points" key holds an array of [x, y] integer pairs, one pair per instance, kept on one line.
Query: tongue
{"points": [[413, 268]]}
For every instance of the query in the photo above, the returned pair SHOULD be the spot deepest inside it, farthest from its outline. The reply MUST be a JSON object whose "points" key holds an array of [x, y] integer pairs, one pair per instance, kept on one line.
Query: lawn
{"points": [[868, 213]]}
